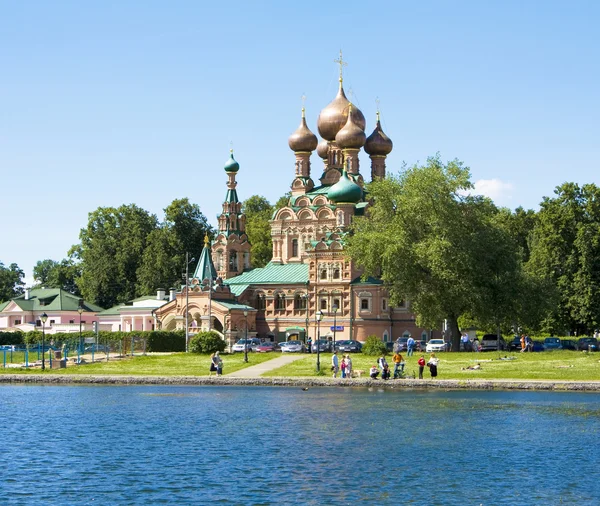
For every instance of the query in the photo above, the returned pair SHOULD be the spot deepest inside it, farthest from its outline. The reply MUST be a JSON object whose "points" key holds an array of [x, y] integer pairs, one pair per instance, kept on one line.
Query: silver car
{"points": [[292, 347]]}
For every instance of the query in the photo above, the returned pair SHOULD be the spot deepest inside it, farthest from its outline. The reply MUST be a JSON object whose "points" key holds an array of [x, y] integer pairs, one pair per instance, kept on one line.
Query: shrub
{"points": [[374, 346], [207, 342], [11, 338]]}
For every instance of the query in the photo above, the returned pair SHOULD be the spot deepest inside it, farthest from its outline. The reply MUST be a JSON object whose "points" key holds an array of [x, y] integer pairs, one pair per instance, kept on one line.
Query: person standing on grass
{"points": [[343, 367], [335, 364], [348, 366], [219, 364], [410, 346], [433, 365], [213, 365], [421, 363], [398, 365]]}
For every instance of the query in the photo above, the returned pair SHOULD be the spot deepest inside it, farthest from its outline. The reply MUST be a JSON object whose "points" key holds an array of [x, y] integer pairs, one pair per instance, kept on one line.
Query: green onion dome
{"points": [[335, 115], [378, 143], [323, 149], [351, 136], [231, 165], [303, 140], [345, 191]]}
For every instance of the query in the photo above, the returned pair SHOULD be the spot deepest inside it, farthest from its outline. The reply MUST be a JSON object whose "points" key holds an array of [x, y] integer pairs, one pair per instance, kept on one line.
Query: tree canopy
{"points": [[258, 212], [438, 247], [11, 281], [52, 274]]}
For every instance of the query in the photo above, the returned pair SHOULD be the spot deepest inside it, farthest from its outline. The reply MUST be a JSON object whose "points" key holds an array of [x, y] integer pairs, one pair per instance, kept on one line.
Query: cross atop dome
{"points": [[342, 64]]}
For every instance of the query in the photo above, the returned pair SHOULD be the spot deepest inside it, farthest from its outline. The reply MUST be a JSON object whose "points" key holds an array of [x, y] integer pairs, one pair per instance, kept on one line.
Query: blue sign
{"points": [[337, 329]]}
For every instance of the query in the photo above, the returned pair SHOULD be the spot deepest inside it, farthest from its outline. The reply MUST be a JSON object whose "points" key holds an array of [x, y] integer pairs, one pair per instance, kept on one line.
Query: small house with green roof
{"points": [[66, 312]]}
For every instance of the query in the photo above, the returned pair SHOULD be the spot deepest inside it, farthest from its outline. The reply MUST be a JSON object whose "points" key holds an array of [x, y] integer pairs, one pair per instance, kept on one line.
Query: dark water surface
{"points": [[277, 446]]}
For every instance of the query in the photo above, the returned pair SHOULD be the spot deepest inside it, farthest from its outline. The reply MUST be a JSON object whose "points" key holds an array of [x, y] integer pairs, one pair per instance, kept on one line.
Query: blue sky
{"points": [[112, 102]]}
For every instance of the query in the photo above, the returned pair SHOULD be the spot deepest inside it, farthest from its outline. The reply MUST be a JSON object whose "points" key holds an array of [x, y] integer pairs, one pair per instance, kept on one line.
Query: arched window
{"points": [[233, 261], [219, 260], [294, 247], [261, 302], [323, 274], [300, 302], [336, 273], [406, 334], [280, 302]]}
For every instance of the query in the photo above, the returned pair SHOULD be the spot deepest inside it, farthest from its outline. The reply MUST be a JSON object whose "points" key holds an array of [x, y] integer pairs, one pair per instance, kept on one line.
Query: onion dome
{"points": [[351, 136], [378, 143], [345, 191], [323, 149], [231, 165], [303, 139], [335, 115]]}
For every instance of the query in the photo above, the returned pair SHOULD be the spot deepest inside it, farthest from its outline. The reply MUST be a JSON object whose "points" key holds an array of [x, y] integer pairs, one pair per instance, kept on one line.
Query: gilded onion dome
{"points": [[335, 115], [345, 191], [378, 143], [303, 140], [323, 149], [231, 165], [351, 136]]}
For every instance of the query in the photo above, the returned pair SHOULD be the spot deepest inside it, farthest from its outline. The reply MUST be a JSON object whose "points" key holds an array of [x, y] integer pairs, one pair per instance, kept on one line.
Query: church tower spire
{"points": [[231, 249], [302, 142]]}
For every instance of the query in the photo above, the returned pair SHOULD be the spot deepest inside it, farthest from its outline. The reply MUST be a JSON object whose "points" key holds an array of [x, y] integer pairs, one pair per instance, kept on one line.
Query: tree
{"points": [[565, 249], [258, 213], [11, 282], [163, 261], [52, 274], [435, 246], [110, 253]]}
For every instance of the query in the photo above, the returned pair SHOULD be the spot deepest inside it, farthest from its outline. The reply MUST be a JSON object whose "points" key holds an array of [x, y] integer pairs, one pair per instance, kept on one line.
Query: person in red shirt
{"points": [[421, 363]]}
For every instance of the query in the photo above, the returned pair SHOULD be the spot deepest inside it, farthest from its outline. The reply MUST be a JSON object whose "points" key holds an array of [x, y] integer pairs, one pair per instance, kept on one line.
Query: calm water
{"points": [[277, 446]]}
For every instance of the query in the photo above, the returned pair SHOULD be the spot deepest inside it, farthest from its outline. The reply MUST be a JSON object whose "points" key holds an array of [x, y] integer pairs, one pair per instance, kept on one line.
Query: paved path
{"points": [[255, 371]]}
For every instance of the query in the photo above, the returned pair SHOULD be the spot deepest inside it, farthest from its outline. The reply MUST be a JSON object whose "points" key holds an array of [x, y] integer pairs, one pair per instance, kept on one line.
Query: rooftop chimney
{"points": [[172, 294], [27, 293], [160, 294]]}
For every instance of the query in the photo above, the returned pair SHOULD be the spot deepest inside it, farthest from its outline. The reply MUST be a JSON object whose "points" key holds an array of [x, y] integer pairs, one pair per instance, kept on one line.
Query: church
{"points": [[310, 287]]}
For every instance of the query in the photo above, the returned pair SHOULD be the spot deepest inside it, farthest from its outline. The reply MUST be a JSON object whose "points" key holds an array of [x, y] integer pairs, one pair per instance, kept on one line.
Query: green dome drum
{"points": [[345, 191], [232, 165]]}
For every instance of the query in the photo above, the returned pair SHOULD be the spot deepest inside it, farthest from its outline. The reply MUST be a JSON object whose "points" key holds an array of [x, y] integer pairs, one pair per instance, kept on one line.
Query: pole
{"points": [[44, 344], [187, 326], [246, 339], [318, 343], [334, 325], [306, 333]]}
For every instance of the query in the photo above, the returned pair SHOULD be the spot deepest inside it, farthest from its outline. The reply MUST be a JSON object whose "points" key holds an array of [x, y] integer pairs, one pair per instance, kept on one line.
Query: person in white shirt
{"points": [[335, 364]]}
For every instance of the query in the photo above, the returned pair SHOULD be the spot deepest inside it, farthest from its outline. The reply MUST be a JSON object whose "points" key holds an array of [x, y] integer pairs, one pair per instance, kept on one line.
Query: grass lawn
{"points": [[548, 365], [175, 364]]}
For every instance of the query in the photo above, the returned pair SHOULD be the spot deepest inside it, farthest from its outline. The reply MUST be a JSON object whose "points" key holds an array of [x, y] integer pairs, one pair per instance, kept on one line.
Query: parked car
{"points": [[587, 344], [515, 344], [490, 342], [435, 345], [349, 346], [401, 344], [293, 347], [240, 346], [537, 346], [568, 344], [552, 343], [266, 347], [323, 344]]}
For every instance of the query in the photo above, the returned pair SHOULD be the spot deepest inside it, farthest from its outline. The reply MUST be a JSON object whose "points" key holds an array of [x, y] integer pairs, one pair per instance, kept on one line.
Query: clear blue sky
{"points": [[112, 102]]}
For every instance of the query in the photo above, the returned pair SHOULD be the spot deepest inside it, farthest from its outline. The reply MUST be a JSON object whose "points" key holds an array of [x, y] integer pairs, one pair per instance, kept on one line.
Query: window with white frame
{"points": [[323, 304], [279, 302], [323, 274]]}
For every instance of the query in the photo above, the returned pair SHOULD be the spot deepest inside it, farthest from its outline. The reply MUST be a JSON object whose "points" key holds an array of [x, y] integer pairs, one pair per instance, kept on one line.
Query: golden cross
{"points": [[303, 104], [342, 64], [377, 102]]}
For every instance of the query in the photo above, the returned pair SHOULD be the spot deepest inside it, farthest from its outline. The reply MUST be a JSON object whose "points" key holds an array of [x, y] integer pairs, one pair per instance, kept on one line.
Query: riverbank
{"points": [[475, 384]]}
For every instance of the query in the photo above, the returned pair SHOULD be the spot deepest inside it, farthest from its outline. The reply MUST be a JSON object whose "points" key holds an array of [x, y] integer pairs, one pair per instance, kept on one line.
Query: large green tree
{"points": [[163, 261], [52, 274], [110, 253], [565, 249], [11, 281], [258, 212], [437, 246]]}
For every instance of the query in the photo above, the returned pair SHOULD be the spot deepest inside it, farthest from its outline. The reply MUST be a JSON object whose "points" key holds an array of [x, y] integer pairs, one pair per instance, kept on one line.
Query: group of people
{"points": [[383, 369], [216, 364], [345, 365], [526, 343]]}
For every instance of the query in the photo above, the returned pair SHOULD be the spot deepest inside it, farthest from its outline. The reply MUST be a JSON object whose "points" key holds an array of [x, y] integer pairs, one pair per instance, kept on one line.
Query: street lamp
{"points": [[80, 310], [246, 339], [44, 317], [319, 318], [335, 308], [187, 314]]}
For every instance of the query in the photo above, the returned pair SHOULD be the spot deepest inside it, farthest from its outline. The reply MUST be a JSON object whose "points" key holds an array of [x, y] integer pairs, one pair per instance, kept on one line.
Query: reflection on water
{"points": [[274, 446]]}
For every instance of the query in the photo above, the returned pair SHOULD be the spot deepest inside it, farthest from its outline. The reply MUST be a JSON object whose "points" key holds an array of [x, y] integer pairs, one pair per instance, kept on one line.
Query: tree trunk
{"points": [[454, 332]]}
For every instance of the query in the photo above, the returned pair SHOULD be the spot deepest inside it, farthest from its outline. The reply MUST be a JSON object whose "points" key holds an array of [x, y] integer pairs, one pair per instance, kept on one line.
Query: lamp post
{"points": [[44, 317], [246, 337], [187, 315], [319, 318], [80, 311], [335, 308]]}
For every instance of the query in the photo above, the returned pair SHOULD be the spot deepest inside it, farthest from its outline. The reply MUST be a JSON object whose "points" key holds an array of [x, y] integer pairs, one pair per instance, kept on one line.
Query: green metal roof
{"points": [[115, 310], [368, 281], [205, 268], [233, 305], [271, 274], [51, 299]]}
